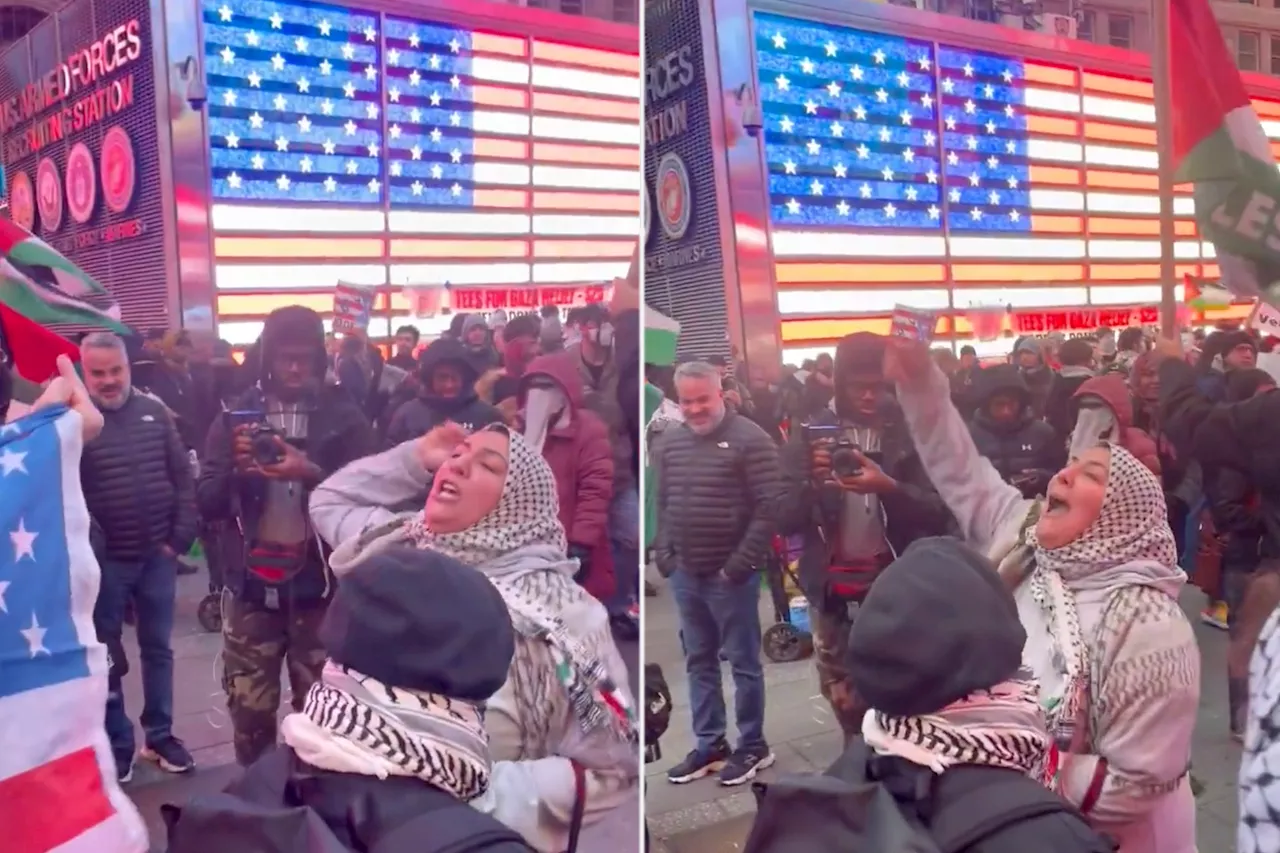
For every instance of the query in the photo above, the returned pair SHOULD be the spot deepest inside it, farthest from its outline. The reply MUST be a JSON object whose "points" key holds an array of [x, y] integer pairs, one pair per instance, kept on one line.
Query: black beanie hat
{"points": [[422, 621], [937, 625]]}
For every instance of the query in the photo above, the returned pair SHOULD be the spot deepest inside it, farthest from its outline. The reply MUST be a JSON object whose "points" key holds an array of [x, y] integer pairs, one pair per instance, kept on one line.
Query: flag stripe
{"points": [[54, 803], [499, 147]]}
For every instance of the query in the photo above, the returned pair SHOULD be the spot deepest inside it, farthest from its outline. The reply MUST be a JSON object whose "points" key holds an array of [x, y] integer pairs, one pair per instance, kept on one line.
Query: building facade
{"points": [[1251, 27]]}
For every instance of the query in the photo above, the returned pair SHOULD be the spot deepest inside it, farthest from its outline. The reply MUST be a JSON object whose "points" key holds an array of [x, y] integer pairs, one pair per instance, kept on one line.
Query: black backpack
{"points": [[847, 810], [657, 708], [262, 815]]}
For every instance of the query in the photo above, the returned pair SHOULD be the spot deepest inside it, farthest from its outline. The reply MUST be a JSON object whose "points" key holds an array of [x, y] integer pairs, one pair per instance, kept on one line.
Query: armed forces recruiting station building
{"points": [[813, 165], [211, 160]]}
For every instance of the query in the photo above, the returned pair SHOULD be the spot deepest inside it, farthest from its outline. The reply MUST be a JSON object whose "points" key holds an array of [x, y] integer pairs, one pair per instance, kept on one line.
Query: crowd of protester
{"points": [[431, 546], [1082, 480]]}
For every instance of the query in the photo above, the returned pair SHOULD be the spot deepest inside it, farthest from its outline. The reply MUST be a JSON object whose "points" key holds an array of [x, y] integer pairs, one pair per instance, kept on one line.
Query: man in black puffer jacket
{"points": [[447, 392], [1027, 452], [718, 492], [138, 486]]}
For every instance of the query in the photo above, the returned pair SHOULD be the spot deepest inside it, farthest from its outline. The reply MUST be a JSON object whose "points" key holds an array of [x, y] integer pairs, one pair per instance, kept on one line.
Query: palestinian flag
{"points": [[45, 287], [660, 336], [1219, 145]]}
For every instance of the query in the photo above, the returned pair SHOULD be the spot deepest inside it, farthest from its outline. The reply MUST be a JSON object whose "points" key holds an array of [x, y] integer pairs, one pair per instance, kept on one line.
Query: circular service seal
{"points": [[119, 170], [22, 201], [49, 195], [674, 196], [82, 183]]}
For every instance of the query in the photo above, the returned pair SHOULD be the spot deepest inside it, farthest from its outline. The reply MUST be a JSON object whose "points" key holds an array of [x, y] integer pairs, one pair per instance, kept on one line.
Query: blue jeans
{"points": [[152, 584], [717, 614], [624, 541]]}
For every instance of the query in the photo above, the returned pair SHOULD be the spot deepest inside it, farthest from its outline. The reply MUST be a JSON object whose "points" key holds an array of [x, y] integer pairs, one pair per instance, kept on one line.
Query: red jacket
{"points": [[1113, 390], [581, 458]]}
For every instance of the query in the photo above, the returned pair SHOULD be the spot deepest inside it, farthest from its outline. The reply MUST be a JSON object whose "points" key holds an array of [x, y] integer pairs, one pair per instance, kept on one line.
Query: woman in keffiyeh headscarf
{"points": [[1094, 571], [564, 720]]}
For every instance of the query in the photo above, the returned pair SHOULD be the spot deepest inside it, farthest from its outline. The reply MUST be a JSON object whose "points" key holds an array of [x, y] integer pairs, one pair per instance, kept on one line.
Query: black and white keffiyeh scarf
{"points": [[521, 547], [352, 723], [1003, 726]]}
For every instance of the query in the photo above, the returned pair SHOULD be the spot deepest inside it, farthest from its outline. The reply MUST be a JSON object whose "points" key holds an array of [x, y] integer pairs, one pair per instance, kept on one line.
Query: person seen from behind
{"points": [[139, 490], [389, 747], [1025, 451], [1078, 366], [446, 392], [520, 346], [562, 729], [279, 440], [955, 734], [353, 369], [1095, 577]]}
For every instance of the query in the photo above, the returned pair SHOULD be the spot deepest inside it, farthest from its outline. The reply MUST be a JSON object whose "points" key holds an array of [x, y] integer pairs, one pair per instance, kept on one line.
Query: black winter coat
{"points": [[912, 511], [337, 434], [423, 413], [1235, 436], [137, 482], [341, 812], [717, 498], [1027, 452]]}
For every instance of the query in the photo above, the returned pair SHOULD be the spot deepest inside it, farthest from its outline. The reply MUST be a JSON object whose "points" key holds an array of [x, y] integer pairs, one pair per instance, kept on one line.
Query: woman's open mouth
{"points": [[1056, 506], [448, 492]]}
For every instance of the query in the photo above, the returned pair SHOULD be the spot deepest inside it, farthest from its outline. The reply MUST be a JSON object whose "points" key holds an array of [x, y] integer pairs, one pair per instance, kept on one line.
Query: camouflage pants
{"points": [[256, 644], [830, 627]]}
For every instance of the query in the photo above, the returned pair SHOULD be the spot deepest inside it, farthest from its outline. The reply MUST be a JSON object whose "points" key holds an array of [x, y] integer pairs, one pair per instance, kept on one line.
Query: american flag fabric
{"points": [[58, 787], [904, 171], [391, 151]]}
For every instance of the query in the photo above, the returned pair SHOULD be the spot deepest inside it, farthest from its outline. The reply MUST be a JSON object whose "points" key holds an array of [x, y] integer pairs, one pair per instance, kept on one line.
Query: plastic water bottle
{"points": [[799, 613]]}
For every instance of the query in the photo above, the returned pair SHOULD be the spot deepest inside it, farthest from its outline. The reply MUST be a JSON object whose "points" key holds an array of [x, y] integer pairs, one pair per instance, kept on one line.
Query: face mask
{"points": [[604, 335], [1093, 426], [543, 410]]}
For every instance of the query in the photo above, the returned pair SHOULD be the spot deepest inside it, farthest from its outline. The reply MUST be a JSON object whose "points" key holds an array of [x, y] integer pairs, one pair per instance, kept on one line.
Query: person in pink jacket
{"points": [[575, 443]]}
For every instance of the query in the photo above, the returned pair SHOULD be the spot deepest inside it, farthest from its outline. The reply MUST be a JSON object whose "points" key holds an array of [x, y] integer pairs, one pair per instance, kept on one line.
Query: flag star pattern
{"points": [[947, 178], [58, 786], [294, 102], [420, 153]]}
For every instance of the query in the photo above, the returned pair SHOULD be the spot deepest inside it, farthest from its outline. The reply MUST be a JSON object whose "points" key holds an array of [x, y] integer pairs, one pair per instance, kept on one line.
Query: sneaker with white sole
{"points": [[745, 762], [124, 769], [170, 755], [699, 763]]}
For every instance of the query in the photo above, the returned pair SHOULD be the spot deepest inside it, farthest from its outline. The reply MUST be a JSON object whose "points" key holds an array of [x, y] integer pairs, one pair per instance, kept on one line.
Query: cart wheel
{"points": [[209, 613], [784, 643]]}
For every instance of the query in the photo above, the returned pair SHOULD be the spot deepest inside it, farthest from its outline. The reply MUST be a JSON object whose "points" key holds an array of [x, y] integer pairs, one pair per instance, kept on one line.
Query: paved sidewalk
{"points": [[704, 817], [200, 720]]}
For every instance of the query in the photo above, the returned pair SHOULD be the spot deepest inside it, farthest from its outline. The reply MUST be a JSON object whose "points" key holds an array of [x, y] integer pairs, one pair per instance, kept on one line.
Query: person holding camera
{"points": [[857, 493], [279, 440], [138, 488]]}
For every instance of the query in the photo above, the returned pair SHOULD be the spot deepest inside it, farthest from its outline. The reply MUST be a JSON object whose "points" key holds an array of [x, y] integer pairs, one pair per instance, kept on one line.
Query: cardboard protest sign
{"points": [[352, 307], [913, 324]]}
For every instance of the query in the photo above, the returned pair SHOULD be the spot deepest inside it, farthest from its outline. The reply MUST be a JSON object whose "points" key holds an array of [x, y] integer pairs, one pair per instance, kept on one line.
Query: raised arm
{"points": [[983, 504], [369, 492]]}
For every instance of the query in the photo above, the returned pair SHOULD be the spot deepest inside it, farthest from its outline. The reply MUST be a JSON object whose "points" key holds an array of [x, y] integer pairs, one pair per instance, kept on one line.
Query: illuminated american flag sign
{"points": [[420, 153], [907, 171]]}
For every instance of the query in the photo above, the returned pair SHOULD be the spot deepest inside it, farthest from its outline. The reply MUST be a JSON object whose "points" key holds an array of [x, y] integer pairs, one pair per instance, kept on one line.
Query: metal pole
{"points": [[1164, 146]]}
